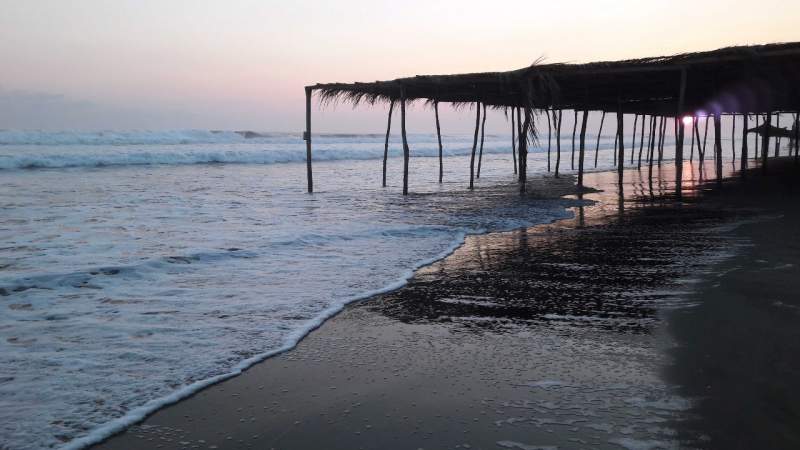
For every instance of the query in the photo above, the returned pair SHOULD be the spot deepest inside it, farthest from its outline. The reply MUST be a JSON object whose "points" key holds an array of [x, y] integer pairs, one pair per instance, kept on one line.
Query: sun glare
{"points": [[687, 120]]}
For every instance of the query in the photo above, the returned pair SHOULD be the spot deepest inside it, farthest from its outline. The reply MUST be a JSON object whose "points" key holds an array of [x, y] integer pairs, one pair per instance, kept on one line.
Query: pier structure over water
{"points": [[740, 83]]}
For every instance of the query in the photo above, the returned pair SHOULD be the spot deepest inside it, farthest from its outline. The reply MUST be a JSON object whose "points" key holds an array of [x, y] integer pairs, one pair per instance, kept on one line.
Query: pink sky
{"points": [[242, 64]]}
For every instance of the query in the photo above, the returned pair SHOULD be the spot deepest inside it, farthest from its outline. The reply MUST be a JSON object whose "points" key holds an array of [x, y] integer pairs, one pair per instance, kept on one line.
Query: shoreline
{"points": [[555, 189], [154, 427]]}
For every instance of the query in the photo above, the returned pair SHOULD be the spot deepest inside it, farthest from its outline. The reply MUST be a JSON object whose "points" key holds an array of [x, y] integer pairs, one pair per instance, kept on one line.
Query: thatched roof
{"points": [[753, 79]]}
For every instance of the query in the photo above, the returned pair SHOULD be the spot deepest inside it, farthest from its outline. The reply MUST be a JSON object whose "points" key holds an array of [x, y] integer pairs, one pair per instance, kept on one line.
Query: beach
{"points": [[585, 333]]}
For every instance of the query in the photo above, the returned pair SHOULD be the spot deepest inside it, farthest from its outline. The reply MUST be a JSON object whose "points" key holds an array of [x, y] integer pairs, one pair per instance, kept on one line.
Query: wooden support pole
{"points": [[520, 120], [439, 138], [599, 133], [705, 141], [755, 153], [523, 151], [582, 148], [474, 145], [621, 153], [765, 142], [309, 175], [743, 157], [574, 130], [483, 132], [386, 143], [514, 140], [549, 137], [733, 138], [558, 139], [718, 146], [679, 126], [633, 140], [651, 151], [692, 132], [778, 137], [661, 137], [796, 137], [406, 152], [641, 143]]}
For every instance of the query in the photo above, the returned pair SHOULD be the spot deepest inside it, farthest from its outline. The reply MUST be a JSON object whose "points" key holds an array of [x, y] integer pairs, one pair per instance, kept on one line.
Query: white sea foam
{"points": [[126, 288]]}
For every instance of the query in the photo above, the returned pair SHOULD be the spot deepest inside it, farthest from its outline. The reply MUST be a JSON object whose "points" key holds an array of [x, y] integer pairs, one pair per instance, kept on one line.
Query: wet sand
{"points": [[586, 333]]}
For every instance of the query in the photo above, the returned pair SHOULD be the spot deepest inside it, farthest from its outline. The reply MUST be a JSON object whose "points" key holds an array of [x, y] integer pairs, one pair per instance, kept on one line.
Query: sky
{"points": [[242, 64]]}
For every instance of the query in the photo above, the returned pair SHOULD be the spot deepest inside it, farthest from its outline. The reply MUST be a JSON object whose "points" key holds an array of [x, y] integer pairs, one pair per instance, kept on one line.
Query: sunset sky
{"points": [[242, 64]]}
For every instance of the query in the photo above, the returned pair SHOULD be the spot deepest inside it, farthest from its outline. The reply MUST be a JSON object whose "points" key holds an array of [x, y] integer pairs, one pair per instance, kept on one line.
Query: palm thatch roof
{"points": [[745, 79]]}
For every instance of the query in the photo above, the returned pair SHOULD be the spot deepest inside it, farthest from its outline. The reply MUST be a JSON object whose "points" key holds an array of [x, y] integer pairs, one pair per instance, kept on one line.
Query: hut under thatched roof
{"points": [[760, 79]]}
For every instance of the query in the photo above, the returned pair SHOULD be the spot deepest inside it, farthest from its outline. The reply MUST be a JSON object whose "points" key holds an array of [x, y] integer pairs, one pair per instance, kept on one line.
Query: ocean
{"points": [[138, 267]]}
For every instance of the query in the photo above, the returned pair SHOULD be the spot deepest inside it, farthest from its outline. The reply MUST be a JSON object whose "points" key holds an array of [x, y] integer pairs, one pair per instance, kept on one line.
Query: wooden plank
{"points": [[386, 142], [474, 145], [309, 174]]}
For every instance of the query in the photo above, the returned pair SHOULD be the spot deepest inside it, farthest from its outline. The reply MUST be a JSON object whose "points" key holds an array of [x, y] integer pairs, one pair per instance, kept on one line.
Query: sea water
{"points": [[138, 267]]}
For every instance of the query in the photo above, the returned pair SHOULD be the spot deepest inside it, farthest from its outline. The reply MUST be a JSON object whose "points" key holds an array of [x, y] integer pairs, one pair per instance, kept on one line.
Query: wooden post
{"points": [[733, 138], [621, 153], [523, 152], [519, 133], [439, 137], [796, 137], [765, 142], [743, 157], [652, 144], [755, 154], [406, 152], [641, 143], [692, 131], [309, 175], [558, 139], [679, 138], [705, 141], [513, 141], [582, 148], [574, 129], [633, 141], [474, 145], [549, 137], [718, 146], [599, 132], [778, 137], [483, 132], [662, 135], [386, 143]]}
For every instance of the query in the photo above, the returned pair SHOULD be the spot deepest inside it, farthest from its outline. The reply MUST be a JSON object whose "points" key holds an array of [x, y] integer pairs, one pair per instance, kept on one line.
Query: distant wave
{"points": [[61, 149]]}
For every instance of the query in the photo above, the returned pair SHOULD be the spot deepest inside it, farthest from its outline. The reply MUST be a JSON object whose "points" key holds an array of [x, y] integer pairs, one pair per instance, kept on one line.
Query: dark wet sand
{"points": [[552, 337]]}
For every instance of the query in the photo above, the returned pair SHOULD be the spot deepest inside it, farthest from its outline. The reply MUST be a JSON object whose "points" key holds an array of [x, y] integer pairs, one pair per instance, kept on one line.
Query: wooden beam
{"points": [[574, 129], [514, 140], [309, 174], [406, 152], [641, 143], [549, 137], [621, 153], [599, 133], [523, 152], [743, 157], [474, 145], [718, 146], [733, 138], [633, 140], [439, 137], [558, 139], [777, 138], [483, 132], [765, 142], [582, 148], [386, 142], [692, 132]]}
